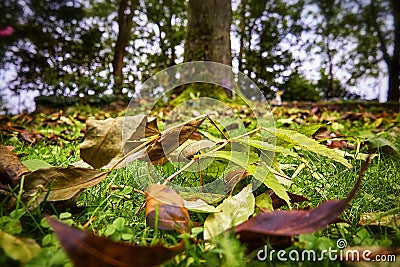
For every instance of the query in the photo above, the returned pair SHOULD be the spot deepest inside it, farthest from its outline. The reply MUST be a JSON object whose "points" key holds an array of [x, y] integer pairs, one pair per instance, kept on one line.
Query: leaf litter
{"points": [[165, 208]]}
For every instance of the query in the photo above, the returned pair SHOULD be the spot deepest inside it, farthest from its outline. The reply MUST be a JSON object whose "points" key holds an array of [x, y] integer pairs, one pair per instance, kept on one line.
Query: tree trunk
{"points": [[208, 37], [394, 63], [125, 23], [331, 90], [242, 33], [394, 82]]}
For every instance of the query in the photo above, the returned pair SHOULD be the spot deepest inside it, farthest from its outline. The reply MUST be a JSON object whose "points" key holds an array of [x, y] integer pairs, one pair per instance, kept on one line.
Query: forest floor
{"points": [[321, 150]]}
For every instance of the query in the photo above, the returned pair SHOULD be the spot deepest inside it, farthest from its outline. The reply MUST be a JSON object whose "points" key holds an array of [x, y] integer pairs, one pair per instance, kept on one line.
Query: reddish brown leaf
{"points": [[31, 137], [288, 223], [338, 144], [277, 202], [171, 139], [11, 168], [172, 215], [85, 249], [28, 136], [324, 133], [294, 222]]}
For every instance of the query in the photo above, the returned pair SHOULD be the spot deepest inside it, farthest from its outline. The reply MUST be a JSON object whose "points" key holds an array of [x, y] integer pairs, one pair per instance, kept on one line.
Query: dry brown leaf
{"points": [[11, 168], [171, 139], [64, 183], [104, 140], [172, 215], [85, 249]]}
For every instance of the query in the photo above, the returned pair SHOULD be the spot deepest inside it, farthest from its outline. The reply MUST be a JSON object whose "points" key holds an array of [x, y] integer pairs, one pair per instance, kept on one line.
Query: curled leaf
{"points": [[287, 223], [11, 168], [167, 207], [104, 141], [63, 183], [171, 139]]}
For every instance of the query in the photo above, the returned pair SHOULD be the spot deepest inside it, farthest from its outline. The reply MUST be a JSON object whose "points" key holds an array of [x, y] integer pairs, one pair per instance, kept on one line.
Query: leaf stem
{"points": [[216, 126], [180, 171], [136, 149], [249, 133]]}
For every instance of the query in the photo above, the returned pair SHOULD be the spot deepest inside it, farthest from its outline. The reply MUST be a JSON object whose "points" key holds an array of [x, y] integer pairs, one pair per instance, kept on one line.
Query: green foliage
{"points": [[109, 208], [168, 17], [54, 48], [299, 88], [262, 27], [354, 36], [234, 210]]}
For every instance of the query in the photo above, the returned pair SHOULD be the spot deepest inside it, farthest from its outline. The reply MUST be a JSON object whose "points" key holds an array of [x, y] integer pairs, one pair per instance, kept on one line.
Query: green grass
{"points": [[113, 206]]}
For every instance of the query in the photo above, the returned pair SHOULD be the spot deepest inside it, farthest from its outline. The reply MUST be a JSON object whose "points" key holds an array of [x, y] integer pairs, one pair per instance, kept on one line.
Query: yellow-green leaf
{"points": [[22, 250], [234, 210], [311, 145]]}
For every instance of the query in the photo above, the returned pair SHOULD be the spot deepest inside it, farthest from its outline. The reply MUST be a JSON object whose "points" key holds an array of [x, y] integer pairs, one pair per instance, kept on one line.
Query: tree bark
{"points": [[208, 37], [242, 33], [125, 23], [394, 62]]}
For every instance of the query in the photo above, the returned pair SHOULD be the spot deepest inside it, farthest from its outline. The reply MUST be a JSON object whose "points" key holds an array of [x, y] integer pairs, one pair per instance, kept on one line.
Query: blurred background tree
{"points": [[266, 31], [54, 48], [297, 87]]}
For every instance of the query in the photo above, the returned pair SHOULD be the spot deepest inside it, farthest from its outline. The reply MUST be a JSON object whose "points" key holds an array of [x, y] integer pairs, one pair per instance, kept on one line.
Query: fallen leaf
{"points": [[278, 202], [169, 205], [171, 139], [85, 249], [287, 223], [104, 138], [199, 205], [332, 144], [188, 149], [30, 136], [64, 183], [22, 250], [235, 210], [11, 168], [324, 133], [309, 144]]}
